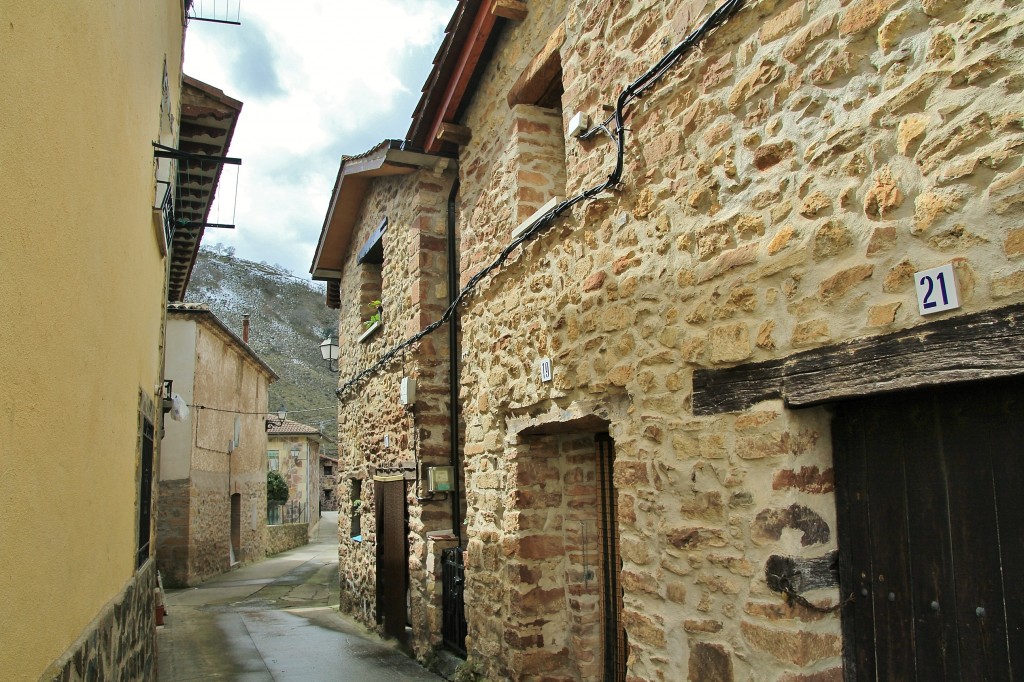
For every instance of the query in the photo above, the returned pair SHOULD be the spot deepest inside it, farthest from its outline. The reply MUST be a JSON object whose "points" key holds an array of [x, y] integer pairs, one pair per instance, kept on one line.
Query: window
{"points": [[328, 470], [273, 463], [145, 492], [371, 281]]}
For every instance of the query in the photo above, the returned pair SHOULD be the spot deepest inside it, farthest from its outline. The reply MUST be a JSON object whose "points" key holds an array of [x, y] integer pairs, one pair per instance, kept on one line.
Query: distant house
{"points": [[213, 485], [328, 483], [293, 449]]}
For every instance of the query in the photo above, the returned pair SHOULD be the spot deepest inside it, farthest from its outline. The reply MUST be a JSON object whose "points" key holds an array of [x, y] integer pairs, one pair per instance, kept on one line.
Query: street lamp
{"points": [[329, 352], [270, 422]]}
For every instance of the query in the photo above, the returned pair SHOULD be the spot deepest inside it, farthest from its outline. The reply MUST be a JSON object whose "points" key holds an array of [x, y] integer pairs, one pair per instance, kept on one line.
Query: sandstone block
{"points": [[1006, 283], [810, 332], [753, 81], [899, 276], [882, 315], [910, 129], [695, 626], [765, 337], [710, 663], [807, 480], [695, 537], [649, 630], [830, 675], [768, 155], [797, 47], [1013, 246], [861, 15], [881, 239], [799, 648], [884, 196], [730, 343], [830, 239], [836, 286]]}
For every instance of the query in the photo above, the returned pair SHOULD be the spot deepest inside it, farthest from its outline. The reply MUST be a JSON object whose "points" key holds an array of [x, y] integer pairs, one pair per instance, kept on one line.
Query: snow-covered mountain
{"points": [[288, 319]]}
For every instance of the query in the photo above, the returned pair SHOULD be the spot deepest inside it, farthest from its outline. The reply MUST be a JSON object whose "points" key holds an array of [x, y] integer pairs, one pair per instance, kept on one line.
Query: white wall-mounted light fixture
{"points": [[295, 454], [329, 351]]}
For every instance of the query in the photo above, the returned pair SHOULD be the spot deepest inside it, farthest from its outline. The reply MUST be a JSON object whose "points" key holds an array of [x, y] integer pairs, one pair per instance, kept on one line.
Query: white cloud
{"points": [[337, 67]]}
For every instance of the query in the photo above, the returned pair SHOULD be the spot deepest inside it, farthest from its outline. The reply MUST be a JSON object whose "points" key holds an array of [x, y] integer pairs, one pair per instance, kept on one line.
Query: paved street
{"points": [[275, 620]]}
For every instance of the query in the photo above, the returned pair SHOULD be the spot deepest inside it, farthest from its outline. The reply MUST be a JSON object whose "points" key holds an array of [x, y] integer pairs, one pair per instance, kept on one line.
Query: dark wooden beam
{"points": [[456, 134], [536, 78], [982, 345], [515, 10], [483, 23]]}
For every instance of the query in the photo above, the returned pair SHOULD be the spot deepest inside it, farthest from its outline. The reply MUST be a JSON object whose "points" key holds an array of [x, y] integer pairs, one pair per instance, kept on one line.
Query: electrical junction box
{"points": [[440, 479], [579, 124], [407, 391]]}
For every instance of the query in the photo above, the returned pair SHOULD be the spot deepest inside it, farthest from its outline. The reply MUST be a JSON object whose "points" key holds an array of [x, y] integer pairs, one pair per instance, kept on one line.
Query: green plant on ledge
{"points": [[377, 309]]}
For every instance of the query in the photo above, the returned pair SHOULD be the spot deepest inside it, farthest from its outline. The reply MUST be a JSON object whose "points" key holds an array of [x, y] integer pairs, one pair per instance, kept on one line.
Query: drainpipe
{"points": [[453, 366]]}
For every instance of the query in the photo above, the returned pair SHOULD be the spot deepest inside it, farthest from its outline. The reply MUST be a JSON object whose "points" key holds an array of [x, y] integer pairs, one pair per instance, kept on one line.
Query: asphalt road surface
{"points": [[276, 620]]}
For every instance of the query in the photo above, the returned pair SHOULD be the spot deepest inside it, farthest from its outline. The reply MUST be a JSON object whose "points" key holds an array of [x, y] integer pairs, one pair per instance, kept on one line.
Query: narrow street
{"points": [[275, 620]]}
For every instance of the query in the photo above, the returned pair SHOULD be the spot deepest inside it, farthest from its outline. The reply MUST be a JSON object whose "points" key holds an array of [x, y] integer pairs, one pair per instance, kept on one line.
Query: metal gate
{"points": [[453, 572]]}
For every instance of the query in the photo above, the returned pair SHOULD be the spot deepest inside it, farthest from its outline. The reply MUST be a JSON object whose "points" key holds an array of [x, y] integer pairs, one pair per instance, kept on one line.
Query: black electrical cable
{"points": [[629, 94]]}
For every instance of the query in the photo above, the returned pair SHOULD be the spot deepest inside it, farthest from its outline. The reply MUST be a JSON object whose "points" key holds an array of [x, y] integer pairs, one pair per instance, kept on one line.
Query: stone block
{"points": [[730, 343], [839, 284], [861, 15], [808, 480], [799, 648], [710, 663]]}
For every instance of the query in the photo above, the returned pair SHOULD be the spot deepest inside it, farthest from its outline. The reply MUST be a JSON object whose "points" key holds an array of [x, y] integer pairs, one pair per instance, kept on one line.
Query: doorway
{"points": [[392, 555], [930, 517], [236, 528]]}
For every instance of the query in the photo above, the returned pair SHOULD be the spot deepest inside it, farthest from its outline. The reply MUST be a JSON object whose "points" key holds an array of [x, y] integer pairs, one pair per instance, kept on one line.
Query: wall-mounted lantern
{"points": [[329, 352], [277, 422]]}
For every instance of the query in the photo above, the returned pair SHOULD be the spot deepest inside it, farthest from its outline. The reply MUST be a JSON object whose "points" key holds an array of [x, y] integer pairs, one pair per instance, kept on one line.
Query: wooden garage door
{"points": [[929, 491]]}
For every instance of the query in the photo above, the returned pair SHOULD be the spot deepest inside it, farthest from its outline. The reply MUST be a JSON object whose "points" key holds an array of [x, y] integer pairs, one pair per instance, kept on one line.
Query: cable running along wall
{"points": [[629, 94]]}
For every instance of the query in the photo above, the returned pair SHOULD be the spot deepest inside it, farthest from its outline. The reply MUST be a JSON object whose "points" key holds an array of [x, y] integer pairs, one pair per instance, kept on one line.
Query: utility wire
{"points": [[287, 412], [629, 94]]}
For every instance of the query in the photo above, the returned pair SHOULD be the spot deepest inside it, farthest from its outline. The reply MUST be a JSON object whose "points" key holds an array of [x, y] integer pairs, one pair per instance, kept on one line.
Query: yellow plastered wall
{"points": [[82, 277]]}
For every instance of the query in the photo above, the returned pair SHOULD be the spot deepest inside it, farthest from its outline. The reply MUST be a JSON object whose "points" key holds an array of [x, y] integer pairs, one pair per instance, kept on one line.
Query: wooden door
{"points": [[392, 556], [930, 516]]}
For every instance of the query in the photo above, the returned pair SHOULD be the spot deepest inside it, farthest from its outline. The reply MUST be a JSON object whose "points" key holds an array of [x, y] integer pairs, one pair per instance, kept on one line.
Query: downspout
{"points": [[453, 366]]}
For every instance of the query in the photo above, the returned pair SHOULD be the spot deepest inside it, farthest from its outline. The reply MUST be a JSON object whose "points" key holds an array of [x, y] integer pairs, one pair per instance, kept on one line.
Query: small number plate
{"points": [[936, 290], [545, 369]]}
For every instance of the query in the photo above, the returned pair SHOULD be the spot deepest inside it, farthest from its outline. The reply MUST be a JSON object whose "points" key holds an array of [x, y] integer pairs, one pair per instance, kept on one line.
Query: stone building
{"points": [[293, 449], [328, 483], [213, 479], [750, 412]]}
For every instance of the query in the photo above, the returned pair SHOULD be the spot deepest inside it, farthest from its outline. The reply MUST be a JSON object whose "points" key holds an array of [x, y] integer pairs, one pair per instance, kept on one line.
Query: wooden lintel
{"points": [[983, 345], [538, 74], [509, 9], [454, 133]]}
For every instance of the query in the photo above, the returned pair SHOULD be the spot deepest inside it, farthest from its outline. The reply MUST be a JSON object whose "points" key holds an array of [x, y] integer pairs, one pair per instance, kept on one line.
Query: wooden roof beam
{"points": [[509, 9]]}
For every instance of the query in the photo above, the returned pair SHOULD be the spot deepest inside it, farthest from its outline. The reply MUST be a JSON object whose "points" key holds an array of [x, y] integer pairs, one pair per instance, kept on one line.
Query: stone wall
{"points": [[286, 536], [373, 429], [780, 189], [120, 644], [172, 540]]}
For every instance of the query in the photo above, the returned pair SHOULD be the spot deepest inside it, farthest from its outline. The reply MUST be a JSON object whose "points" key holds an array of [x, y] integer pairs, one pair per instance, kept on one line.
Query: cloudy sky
{"points": [[318, 79]]}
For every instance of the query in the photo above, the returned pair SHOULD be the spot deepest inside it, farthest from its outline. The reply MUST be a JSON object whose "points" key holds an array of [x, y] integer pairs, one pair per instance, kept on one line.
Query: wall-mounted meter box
{"points": [[407, 391], [440, 479]]}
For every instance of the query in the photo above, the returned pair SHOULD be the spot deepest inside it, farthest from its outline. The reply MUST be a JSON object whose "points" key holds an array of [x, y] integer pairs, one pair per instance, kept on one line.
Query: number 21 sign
{"points": [[936, 290]]}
